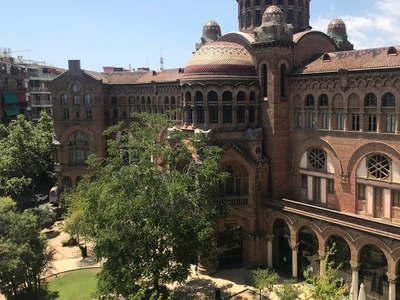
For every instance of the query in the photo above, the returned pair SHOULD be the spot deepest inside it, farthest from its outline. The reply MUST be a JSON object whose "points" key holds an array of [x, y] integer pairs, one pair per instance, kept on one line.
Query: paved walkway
{"points": [[229, 282]]}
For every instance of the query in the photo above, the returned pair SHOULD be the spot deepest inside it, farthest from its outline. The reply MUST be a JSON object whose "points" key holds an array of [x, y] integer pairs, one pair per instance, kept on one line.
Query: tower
{"points": [[296, 12]]}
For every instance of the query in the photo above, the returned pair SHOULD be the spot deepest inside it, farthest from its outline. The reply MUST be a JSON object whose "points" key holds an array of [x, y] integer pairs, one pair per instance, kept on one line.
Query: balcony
{"points": [[234, 201], [40, 103], [39, 90]]}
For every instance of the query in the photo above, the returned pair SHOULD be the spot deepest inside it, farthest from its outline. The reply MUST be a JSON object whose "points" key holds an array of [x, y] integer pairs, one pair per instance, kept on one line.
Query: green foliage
{"points": [[263, 280], [45, 217], [151, 208], [326, 285], [26, 153], [24, 254], [288, 291]]}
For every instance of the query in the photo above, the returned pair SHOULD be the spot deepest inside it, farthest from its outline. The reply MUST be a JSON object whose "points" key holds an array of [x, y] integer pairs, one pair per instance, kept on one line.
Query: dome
{"points": [[211, 30], [273, 14], [337, 26], [220, 59]]}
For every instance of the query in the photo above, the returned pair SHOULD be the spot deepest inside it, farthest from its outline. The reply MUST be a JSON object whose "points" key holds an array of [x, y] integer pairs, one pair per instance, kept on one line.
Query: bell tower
{"points": [[296, 12]]}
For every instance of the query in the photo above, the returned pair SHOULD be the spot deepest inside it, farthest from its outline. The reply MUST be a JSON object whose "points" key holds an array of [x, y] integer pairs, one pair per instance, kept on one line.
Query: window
{"points": [[339, 121], [64, 99], [264, 81], [291, 2], [390, 122], [310, 100], [300, 3], [258, 2], [114, 101], [290, 16], [247, 3], [252, 114], [198, 97], [241, 96], [252, 96], [190, 115], [388, 100], [132, 101], [200, 115], [240, 114], [227, 114], [279, 2], [268, 2], [361, 191], [89, 114], [378, 202], [77, 113], [87, 99], [324, 120], [323, 100], [212, 96], [258, 18], [213, 114], [233, 183], [66, 114], [78, 148], [330, 186], [166, 100], [300, 119], [372, 122], [310, 119], [396, 197], [283, 81], [317, 159], [378, 167], [115, 112], [317, 189], [124, 114], [300, 18], [355, 121], [77, 99], [188, 97], [227, 96], [304, 181], [248, 19], [370, 99], [173, 102], [75, 88]]}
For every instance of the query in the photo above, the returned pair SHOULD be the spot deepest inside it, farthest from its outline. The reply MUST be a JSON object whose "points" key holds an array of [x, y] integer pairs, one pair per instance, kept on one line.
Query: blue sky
{"points": [[136, 32]]}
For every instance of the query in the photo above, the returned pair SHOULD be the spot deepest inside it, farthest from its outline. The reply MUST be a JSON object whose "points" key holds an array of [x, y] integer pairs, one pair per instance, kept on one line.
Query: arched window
{"points": [[67, 183], [317, 159], [212, 96], [252, 96], [188, 97], [378, 167], [226, 96], [64, 99], [198, 97], [233, 185], [241, 96], [310, 100], [283, 80], [87, 99], [114, 101], [370, 99], [77, 99], [264, 79], [247, 3], [173, 101], [323, 100], [132, 101], [388, 100], [166, 100], [78, 148], [148, 100]]}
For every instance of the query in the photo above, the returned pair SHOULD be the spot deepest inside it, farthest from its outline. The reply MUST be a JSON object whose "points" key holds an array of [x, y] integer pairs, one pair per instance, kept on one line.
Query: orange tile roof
{"points": [[366, 59], [169, 75]]}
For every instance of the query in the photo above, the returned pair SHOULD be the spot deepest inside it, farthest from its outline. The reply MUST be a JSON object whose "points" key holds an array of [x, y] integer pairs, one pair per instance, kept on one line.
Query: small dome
{"points": [[273, 14], [220, 59], [212, 30], [337, 26]]}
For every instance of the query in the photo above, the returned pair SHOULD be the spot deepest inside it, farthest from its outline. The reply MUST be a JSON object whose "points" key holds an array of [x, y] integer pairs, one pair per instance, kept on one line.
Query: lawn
{"points": [[75, 285]]}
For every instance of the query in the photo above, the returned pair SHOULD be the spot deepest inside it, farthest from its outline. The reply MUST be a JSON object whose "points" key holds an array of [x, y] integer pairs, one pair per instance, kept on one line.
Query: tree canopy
{"points": [[26, 153], [150, 205], [24, 254]]}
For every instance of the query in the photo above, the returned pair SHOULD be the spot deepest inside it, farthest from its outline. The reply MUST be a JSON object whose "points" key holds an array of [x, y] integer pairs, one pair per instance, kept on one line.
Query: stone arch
{"points": [[369, 148], [354, 100], [338, 100], [300, 223], [275, 215], [371, 240], [70, 130], [332, 230]]}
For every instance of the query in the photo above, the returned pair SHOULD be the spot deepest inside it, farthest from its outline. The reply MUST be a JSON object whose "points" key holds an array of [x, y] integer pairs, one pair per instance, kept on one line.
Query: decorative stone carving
{"points": [[253, 135], [344, 178], [343, 79]]}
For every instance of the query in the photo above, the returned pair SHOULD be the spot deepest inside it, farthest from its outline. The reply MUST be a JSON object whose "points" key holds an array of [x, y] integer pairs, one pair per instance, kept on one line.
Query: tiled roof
{"points": [[123, 77], [169, 75], [96, 75], [366, 59]]}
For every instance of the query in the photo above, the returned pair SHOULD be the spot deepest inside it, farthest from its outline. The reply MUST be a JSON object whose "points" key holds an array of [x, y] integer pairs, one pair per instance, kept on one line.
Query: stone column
{"points": [[379, 121], [295, 251], [330, 119], [355, 267], [392, 278], [321, 259], [397, 123], [206, 118], [220, 115], [345, 121], [270, 239]]}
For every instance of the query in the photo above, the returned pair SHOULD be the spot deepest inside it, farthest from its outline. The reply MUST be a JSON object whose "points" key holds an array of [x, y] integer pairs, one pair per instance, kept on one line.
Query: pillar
{"points": [[330, 120], [355, 267], [322, 262], [270, 239], [295, 265], [392, 278]]}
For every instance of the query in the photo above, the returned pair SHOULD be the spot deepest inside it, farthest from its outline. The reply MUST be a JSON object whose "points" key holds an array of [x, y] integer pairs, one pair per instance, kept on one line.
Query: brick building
{"points": [[310, 132]]}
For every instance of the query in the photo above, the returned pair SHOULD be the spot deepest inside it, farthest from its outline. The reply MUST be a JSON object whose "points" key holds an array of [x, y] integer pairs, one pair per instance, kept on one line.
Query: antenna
{"points": [[161, 61]]}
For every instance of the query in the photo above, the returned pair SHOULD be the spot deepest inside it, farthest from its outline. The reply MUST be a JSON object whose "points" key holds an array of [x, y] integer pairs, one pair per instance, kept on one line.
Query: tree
{"points": [[288, 291], [151, 207], [263, 279], [326, 285], [26, 153], [24, 254]]}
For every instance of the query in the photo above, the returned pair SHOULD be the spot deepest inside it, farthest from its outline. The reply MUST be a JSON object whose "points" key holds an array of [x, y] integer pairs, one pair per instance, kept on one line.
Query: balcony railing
{"points": [[234, 201], [39, 89], [41, 102]]}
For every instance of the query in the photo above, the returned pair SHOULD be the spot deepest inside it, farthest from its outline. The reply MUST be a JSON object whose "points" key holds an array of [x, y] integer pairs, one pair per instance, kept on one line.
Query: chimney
{"points": [[74, 67]]}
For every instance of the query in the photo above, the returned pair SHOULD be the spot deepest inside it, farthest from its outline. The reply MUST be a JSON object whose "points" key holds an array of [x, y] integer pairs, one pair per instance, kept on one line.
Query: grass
{"points": [[75, 285]]}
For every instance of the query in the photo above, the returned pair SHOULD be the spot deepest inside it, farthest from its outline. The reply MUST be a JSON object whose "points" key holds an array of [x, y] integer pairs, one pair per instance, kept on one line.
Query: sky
{"points": [[135, 33]]}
